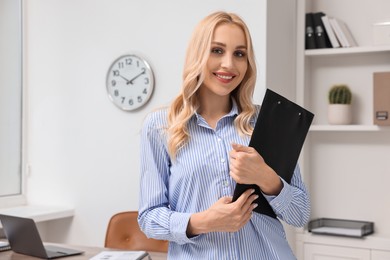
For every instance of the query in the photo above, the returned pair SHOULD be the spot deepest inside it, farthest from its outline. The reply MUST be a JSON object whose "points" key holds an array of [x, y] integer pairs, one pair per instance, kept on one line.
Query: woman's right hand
{"points": [[224, 215]]}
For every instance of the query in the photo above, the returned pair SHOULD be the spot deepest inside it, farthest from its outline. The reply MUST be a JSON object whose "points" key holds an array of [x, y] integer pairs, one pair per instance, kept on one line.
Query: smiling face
{"points": [[227, 63]]}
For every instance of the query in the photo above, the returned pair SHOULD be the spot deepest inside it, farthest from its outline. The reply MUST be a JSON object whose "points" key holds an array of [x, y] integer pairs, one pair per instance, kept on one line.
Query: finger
{"points": [[247, 206], [226, 200], [241, 148], [233, 154], [251, 205], [244, 197], [248, 214]]}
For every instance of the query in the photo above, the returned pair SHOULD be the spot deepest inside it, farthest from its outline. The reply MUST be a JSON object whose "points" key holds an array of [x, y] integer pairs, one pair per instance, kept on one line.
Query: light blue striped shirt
{"points": [[172, 190]]}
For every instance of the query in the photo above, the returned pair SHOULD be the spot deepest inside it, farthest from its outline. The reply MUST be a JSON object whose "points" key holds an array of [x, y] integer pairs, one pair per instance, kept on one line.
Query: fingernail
{"points": [[253, 190], [254, 205]]}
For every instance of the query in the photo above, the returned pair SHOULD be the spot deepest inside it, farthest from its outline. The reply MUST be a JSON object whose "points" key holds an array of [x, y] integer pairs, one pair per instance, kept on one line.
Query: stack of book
{"points": [[323, 31]]}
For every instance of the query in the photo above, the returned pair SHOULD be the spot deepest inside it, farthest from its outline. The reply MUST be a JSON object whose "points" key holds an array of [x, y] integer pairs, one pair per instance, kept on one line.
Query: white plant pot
{"points": [[339, 114]]}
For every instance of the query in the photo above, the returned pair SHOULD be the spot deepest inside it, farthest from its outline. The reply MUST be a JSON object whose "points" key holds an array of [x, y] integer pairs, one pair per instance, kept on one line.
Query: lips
{"points": [[224, 77]]}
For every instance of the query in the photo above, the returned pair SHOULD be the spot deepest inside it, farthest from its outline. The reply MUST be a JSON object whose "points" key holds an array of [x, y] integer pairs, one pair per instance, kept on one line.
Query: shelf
{"points": [[39, 213], [353, 128], [352, 50], [369, 242]]}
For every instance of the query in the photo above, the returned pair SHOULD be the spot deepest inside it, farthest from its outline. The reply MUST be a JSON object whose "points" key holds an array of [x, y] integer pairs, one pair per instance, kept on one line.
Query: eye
{"points": [[240, 54], [217, 50]]}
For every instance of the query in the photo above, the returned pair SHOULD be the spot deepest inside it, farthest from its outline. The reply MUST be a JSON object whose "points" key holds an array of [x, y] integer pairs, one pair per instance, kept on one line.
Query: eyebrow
{"points": [[224, 45]]}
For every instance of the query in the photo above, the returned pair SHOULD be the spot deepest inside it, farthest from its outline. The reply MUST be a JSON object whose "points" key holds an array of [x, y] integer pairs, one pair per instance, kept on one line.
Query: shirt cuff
{"points": [[280, 202], [178, 226]]}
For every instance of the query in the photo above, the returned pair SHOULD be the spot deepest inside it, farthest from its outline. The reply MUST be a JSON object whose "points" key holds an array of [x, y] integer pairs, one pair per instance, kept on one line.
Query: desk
{"points": [[89, 252]]}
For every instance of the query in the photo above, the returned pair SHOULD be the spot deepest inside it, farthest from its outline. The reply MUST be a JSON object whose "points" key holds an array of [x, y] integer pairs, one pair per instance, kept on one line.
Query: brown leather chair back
{"points": [[123, 232]]}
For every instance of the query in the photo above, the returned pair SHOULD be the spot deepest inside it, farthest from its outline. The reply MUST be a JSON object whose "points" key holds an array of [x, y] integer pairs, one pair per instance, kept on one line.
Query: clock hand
{"points": [[131, 81], [127, 81]]}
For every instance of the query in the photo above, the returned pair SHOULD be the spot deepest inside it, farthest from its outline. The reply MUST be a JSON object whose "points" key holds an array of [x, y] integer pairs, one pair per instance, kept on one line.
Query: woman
{"points": [[194, 153]]}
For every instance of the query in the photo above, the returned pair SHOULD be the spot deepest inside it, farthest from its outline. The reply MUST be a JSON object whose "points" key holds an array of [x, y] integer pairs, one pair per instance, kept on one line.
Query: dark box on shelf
{"points": [[382, 98], [341, 227]]}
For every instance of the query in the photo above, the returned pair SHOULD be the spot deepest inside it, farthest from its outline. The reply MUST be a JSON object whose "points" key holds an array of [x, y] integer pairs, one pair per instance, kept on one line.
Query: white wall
{"points": [[281, 54], [82, 150]]}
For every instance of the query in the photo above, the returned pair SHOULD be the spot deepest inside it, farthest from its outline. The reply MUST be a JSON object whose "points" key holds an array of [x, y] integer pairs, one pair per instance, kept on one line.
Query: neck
{"points": [[213, 108]]}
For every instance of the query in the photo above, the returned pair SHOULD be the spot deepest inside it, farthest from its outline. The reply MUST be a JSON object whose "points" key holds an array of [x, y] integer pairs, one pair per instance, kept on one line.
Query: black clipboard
{"points": [[278, 136]]}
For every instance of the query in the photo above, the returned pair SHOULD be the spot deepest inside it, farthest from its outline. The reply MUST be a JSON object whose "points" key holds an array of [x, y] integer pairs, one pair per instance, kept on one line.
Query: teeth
{"points": [[224, 77]]}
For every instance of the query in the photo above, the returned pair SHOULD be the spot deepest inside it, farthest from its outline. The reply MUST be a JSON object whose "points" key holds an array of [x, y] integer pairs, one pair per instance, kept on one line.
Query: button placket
{"points": [[223, 165]]}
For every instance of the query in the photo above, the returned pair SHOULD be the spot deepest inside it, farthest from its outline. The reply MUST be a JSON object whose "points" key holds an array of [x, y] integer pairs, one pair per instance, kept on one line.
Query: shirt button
{"points": [[219, 139], [226, 183], [223, 160]]}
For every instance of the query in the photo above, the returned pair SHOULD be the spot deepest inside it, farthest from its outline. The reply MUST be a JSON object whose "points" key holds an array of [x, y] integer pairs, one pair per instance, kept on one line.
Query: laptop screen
{"points": [[24, 238]]}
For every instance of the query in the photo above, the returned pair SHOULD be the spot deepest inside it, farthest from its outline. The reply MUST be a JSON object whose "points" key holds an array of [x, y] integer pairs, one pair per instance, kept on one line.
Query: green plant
{"points": [[340, 94]]}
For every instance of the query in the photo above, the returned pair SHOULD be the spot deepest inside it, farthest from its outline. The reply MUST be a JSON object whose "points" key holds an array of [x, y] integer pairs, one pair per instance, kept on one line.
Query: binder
{"points": [[322, 39], [382, 98], [278, 136], [309, 32]]}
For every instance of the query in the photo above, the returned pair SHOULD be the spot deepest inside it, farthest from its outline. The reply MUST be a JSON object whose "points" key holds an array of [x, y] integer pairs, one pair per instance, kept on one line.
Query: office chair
{"points": [[123, 232]]}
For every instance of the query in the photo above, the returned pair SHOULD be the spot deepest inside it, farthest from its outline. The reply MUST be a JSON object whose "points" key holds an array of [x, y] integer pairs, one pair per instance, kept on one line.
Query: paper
{"points": [[2, 243], [4, 246], [120, 255]]}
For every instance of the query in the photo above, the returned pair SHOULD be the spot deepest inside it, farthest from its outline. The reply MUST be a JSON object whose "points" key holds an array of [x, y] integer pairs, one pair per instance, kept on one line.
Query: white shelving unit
{"points": [[344, 128], [352, 50], [346, 167]]}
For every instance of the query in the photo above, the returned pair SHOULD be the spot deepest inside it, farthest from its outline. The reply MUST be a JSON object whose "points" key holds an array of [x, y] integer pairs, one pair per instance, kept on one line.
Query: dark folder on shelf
{"points": [[321, 37], [278, 136], [310, 42]]}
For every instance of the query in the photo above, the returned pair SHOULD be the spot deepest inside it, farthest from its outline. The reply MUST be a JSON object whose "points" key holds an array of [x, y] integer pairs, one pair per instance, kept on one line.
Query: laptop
{"points": [[24, 238]]}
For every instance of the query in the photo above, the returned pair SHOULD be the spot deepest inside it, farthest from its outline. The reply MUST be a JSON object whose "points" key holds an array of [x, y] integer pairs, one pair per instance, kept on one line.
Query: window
{"points": [[11, 95]]}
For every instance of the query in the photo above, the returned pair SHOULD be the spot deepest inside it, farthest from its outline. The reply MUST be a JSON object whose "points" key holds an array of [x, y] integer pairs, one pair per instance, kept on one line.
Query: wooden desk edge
{"points": [[89, 252]]}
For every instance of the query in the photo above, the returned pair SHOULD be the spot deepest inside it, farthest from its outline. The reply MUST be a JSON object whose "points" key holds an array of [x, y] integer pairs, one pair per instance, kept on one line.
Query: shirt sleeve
{"points": [[292, 204], [155, 218]]}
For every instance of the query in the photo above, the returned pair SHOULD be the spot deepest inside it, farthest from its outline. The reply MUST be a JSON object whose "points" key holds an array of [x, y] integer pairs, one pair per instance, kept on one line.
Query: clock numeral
{"points": [[131, 102], [121, 65], [139, 99], [137, 63], [116, 73], [129, 61], [146, 81], [123, 99], [113, 83], [145, 91], [116, 93]]}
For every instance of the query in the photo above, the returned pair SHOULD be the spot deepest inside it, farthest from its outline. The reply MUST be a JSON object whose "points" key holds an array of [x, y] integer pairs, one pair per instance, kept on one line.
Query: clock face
{"points": [[130, 82]]}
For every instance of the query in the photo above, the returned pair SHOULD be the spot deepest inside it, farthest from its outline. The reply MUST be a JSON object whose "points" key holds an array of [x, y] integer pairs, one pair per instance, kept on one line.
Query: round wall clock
{"points": [[130, 82]]}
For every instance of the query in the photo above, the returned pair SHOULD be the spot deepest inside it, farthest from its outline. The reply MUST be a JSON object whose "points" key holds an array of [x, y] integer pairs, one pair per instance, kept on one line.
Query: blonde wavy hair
{"points": [[186, 103]]}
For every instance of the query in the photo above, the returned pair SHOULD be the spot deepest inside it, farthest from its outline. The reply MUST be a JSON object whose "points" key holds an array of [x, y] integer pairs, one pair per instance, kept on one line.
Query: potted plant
{"points": [[339, 109]]}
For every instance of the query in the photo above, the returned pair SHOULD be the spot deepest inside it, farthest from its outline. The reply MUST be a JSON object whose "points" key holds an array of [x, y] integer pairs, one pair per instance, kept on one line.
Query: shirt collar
{"points": [[233, 112]]}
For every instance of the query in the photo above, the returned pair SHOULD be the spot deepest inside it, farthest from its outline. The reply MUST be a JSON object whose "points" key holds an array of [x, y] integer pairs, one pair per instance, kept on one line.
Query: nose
{"points": [[227, 61]]}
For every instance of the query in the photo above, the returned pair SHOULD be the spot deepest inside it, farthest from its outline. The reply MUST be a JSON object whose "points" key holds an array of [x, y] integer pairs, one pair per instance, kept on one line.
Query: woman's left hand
{"points": [[247, 166]]}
